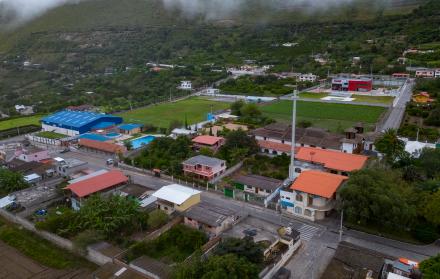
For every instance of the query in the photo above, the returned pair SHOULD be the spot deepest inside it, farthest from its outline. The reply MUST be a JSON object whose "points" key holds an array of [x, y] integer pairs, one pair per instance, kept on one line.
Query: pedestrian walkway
{"points": [[307, 232]]}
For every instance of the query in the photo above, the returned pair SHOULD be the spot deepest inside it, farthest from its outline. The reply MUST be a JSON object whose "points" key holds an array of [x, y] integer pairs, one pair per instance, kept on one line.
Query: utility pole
{"points": [[292, 148], [340, 227]]}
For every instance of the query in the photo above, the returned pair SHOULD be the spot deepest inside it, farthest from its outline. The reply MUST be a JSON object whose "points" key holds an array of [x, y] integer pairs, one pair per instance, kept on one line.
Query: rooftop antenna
{"points": [[292, 148]]}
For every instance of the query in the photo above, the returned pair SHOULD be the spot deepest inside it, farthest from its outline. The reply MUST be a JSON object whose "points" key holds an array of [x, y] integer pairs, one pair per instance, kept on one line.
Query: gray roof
{"points": [[309, 136], [203, 160], [209, 214], [259, 181]]}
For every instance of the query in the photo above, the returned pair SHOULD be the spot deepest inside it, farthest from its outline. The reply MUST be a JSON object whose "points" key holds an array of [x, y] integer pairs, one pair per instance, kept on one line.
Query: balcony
{"points": [[327, 207], [199, 171]]}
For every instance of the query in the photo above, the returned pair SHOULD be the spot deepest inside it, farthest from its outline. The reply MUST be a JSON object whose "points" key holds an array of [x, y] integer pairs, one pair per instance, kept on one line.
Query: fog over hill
{"points": [[13, 12]]}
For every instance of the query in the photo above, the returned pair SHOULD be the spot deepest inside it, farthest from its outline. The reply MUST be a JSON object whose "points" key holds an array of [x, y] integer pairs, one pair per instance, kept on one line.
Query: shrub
{"points": [[157, 219]]}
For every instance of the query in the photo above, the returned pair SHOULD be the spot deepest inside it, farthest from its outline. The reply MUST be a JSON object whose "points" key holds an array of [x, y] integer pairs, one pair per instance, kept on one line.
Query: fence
{"points": [[227, 172]]}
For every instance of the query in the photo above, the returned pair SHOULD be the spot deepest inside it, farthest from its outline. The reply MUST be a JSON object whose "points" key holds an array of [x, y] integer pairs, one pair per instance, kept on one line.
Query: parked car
{"points": [[110, 162]]}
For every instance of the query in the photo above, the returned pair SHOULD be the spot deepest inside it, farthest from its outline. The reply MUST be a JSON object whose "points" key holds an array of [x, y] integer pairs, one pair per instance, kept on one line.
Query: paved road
{"points": [[397, 112]]}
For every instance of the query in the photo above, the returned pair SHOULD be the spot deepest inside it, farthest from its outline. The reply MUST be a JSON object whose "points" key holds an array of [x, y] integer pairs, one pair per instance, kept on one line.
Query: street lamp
{"points": [[292, 148]]}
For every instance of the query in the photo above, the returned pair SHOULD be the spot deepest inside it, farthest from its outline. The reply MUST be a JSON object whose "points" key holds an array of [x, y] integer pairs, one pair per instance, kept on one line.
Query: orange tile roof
{"points": [[334, 160], [282, 147], [98, 183], [208, 140], [318, 183], [103, 146]]}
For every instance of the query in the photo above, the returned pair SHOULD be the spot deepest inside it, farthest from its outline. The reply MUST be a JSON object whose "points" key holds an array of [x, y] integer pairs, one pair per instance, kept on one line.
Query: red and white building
{"points": [[204, 167], [425, 73], [400, 75], [352, 84]]}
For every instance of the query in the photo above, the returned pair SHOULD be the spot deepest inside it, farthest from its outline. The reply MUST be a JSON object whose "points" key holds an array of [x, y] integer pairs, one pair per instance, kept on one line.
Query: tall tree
{"points": [[11, 181], [431, 268], [390, 145], [378, 196]]}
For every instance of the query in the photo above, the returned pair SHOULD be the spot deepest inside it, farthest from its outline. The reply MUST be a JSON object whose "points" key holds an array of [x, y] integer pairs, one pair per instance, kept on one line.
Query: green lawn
{"points": [[50, 135], [195, 109], [373, 99], [311, 95], [335, 117], [20, 121], [39, 249]]}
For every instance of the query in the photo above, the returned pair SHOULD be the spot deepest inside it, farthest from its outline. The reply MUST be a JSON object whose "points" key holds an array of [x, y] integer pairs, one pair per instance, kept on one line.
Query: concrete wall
{"points": [[94, 256], [59, 130], [195, 199]]}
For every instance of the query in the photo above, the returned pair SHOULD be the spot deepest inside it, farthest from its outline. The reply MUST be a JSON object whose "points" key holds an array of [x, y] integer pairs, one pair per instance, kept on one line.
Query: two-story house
{"points": [[176, 197], [312, 195], [204, 167], [211, 142]]}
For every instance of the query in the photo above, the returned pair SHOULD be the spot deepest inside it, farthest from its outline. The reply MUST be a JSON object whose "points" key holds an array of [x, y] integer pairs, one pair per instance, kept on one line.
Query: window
{"points": [[189, 219], [299, 197], [268, 191], [282, 141], [298, 210], [288, 198], [308, 212], [310, 201], [298, 170], [165, 207]]}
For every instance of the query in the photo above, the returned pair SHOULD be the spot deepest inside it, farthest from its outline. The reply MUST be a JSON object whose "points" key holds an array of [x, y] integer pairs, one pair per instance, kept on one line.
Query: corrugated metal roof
{"points": [[98, 183], [175, 193], [203, 160], [76, 119]]}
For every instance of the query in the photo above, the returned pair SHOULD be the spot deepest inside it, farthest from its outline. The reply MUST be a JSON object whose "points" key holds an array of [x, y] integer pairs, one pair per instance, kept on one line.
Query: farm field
{"points": [[21, 121], [334, 117], [25, 255], [195, 109]]}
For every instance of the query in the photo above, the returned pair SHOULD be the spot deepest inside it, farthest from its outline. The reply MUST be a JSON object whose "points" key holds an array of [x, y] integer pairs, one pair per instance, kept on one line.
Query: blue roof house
{"points": [[130, 129], [73, 123]]}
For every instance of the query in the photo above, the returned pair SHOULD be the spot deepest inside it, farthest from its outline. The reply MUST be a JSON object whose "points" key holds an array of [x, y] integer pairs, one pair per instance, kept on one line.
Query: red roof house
{"points": [[101, 146], [101, 183], [334, 161], [211, 142], [318, 183]]}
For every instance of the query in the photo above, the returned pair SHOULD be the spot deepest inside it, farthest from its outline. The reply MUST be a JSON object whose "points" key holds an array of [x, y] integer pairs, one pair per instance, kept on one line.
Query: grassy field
{"points": [[373, 99], [161, 115], [39, 249], [335, 117], [50, 135], [21, 121], [358, 98]]}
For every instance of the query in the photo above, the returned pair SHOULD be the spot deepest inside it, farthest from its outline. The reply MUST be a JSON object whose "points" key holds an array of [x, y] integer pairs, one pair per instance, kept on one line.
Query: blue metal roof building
{"points": [[80, 121], [129, 127]]}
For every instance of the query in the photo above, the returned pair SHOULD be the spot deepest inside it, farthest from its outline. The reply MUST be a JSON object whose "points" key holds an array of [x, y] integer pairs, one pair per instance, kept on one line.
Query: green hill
{"points": [[116, 14], [73, 45]]}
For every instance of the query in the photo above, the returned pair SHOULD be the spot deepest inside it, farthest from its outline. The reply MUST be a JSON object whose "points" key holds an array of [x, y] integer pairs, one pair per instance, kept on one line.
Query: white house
{"points": [[185, 85], [312, 195], [308, 77], [425, 73], [176, 197]]}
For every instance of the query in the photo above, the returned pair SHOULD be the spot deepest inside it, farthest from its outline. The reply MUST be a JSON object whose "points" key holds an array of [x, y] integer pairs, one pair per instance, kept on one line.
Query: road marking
{"points": [[307, 232]]}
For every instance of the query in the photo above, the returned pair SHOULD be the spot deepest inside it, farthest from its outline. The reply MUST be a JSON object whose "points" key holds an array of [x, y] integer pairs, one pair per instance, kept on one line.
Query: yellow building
{"points": [[422, 98], [176, 197]]}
